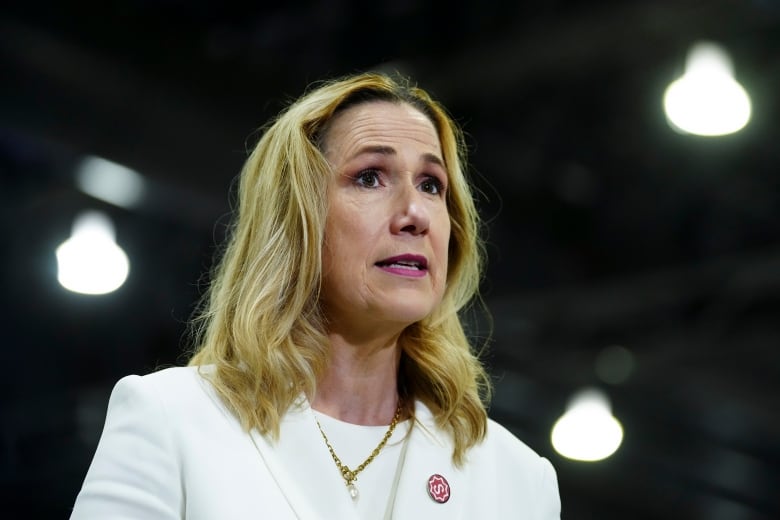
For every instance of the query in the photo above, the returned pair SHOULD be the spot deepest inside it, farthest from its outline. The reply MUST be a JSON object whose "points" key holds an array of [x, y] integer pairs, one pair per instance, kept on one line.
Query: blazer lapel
{"points": [[430, 454]]}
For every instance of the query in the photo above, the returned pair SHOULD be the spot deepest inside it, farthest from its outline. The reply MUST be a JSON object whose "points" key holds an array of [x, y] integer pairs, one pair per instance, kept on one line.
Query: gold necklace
{"points": [[350, 476]]}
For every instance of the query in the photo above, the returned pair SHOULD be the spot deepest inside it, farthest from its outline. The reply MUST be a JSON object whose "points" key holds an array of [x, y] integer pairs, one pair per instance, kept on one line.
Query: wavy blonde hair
{"points": [[260, 323]]}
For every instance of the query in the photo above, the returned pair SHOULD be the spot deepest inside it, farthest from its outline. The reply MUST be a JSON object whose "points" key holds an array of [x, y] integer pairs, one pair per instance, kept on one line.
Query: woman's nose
{"points": [[410, 212]]}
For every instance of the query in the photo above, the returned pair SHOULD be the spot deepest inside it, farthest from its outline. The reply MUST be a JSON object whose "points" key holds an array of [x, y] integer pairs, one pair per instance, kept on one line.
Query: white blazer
{"points": [[170, 449]]}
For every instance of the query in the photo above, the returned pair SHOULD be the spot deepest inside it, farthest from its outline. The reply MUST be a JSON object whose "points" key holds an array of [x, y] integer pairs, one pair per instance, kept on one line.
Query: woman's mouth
{"points": [[405, 265]]}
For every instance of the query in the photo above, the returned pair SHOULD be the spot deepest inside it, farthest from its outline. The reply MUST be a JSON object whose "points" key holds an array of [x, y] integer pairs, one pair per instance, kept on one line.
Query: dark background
{"points": [[605, 227]]}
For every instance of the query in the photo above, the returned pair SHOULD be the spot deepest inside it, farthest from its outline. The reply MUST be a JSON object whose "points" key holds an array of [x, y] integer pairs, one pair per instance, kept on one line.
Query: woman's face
{"points": [[387, 231]]}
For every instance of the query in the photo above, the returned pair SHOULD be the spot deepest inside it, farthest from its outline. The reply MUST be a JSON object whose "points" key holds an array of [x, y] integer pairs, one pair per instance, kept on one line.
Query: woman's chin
{"points": [[407, 316]]}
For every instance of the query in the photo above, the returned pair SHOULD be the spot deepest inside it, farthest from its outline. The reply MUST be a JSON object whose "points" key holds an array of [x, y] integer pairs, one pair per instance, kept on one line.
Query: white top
{"points": [[171, 450]]}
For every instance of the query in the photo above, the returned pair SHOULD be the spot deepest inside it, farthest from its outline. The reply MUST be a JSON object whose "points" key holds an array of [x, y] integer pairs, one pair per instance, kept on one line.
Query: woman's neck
{"points": [[360, 383]]}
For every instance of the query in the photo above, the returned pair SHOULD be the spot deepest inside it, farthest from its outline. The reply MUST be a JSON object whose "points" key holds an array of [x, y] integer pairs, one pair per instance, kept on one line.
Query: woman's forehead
{"points": [[379, 123]]}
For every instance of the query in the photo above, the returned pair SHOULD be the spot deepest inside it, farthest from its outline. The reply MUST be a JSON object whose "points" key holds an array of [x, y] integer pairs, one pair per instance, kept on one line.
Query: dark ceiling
{"points": [[605, 226]]}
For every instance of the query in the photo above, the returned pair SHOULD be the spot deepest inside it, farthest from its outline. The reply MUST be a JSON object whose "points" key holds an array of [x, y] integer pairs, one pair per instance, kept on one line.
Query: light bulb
{"points": [[707, 100], [90, 261], [587, 431]]}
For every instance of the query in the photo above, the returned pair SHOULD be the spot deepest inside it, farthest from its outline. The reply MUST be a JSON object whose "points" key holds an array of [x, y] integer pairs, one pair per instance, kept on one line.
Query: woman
{"points": [[333, 378]]}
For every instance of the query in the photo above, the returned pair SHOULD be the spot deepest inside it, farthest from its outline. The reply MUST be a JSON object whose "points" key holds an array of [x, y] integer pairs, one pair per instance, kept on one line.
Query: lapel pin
{"points": [[438, 488]]}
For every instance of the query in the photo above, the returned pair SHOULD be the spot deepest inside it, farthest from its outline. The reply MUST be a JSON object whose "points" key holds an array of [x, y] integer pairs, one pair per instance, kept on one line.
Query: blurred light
{"points": [[90, 261], [706, 99], [110, 182], [614, 365], [587, 431], [576, 184]]}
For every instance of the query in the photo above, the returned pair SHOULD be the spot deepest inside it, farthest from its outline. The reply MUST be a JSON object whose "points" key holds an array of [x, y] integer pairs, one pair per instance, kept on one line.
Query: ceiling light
{"points": [[90, 261], [707, 100], [110, 182], [587, 431]]}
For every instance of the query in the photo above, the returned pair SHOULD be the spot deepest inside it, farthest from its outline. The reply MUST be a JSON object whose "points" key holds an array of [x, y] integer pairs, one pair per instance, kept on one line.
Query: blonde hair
{"points": [[260, 323]]}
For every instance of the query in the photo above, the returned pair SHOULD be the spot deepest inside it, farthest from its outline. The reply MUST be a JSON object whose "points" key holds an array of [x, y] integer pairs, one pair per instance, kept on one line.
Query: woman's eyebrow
{"points": [[389, 150], [434, 159]]}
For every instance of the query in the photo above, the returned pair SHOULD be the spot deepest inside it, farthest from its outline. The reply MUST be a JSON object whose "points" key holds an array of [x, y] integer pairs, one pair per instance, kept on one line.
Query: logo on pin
{"points": [[438, 488]]}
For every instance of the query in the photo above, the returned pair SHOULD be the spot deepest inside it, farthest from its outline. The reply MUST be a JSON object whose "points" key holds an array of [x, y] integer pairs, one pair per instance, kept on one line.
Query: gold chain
{"points": [[350, 476]]}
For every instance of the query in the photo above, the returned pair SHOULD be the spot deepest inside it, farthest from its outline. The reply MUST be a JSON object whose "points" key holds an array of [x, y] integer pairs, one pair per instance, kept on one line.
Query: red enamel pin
{"points": [[438, 488]]}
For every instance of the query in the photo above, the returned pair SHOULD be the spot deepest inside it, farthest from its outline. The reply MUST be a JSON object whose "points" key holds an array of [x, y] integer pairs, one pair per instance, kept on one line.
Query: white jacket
{"points": [[170, 449]]}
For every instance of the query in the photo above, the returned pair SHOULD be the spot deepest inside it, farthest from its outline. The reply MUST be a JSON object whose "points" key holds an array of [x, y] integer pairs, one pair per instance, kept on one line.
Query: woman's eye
{"points": [[432, 185], [368, 178]]}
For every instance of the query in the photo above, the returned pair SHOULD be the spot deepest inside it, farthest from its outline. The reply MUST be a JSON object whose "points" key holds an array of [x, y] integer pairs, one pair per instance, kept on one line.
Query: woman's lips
{"points": [[415, 266]]}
